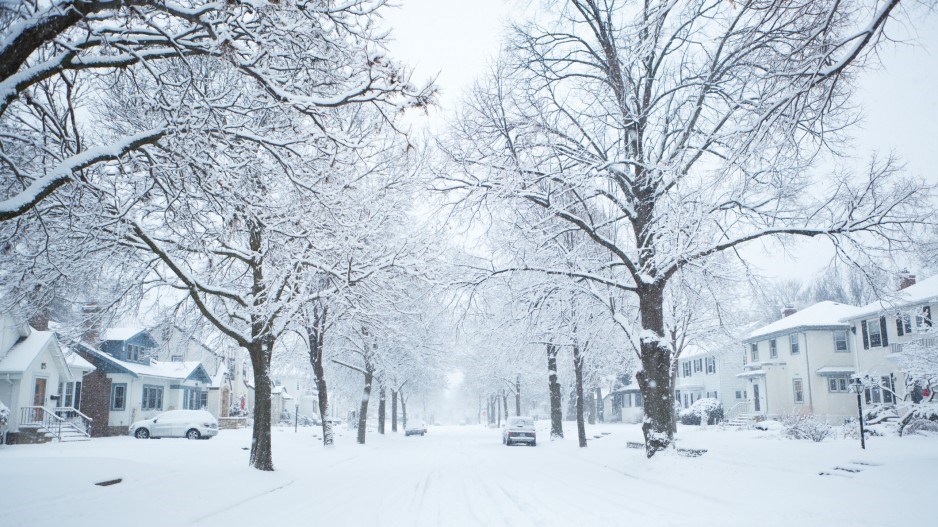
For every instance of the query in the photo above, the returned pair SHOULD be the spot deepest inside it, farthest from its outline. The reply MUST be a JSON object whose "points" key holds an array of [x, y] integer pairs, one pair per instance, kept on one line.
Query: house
{"points": [[706, 373], [129, 385], [802, 363], [41, 383], [301, 382], [624, 405], [882, 329], [282, 404]]}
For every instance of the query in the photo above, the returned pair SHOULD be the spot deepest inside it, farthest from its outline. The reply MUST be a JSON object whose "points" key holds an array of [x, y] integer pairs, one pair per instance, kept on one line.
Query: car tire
{"points": [[533, 443], [192, 433], [508, 442], [142, 433]]}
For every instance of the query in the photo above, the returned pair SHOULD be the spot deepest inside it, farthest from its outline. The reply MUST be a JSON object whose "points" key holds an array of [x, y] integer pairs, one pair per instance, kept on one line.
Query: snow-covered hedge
{"points": [[709, 406], [922, 418], [4, 416], [802, 426]]}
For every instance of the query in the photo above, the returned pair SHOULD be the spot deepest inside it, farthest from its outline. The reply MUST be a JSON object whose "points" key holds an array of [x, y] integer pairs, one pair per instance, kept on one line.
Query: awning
{"points": [[835, 371], [753, 373]]}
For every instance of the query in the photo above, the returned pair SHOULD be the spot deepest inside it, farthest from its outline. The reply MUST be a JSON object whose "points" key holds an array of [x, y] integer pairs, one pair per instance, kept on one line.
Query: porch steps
{"points": [[741, 421]]}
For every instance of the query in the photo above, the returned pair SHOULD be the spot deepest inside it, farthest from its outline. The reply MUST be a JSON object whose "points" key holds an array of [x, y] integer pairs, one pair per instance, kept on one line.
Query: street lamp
{"points": [[296, 418], [857, 385]]}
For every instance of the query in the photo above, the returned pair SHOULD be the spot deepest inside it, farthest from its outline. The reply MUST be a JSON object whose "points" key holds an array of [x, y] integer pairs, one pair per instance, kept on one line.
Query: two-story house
{"points": [[882, 329], [704, 373], [802, 363]]}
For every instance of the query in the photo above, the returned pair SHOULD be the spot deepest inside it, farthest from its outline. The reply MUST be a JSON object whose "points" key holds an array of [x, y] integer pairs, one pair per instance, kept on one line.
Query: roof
{"points": [[822, 315], [168, 370], [74, 360], [120, 333], [751, 373], [25, 351], [920, 293], [835, 371]]}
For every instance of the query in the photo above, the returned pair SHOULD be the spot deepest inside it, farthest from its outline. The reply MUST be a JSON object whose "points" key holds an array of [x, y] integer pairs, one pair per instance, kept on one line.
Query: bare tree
{"points": [[668, 133]]}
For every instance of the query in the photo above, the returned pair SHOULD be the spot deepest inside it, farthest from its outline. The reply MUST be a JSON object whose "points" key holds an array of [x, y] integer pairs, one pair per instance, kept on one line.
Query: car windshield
{"points": [[522, 423]]}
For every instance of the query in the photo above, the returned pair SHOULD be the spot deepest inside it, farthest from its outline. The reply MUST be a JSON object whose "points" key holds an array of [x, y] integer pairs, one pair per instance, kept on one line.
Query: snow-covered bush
{"points": [[802, 426], [922, 418], [709, 406], [4, 416]]}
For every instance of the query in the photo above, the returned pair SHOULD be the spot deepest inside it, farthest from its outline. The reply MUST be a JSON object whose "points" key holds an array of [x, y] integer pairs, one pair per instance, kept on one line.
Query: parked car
{"points": [[191, 424], [519, 430], [415, 428]]}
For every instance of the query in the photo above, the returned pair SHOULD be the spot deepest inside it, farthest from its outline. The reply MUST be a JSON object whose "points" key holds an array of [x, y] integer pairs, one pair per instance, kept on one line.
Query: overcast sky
{"points": [[454, 40]]}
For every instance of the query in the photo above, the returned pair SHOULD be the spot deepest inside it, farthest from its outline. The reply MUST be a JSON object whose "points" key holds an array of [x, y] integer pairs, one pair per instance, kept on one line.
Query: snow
{"points": [[920, 293], [76, 362], [825, 314], [464, 476], [22, 354], [167, 370], [120, 333]]}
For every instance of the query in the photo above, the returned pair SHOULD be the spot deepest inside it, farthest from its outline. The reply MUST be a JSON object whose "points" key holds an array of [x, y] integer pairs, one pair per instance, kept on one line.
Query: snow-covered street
{"points": [[464, 476]]}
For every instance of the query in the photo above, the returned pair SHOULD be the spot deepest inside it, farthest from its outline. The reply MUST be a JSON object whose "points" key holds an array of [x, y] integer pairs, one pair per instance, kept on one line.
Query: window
{"points": [[799, 391], [773, 349], [698, 365], [176, 358], [793, 344], [711, 365], [637, 400], [882, 393], [686, 365], [754, 348], [838, 385], [69, 394], [194, 399], [118, 396], [873, 333], [903, 324], [740, 394], [152, 397], [840, 341], [131, 352]]}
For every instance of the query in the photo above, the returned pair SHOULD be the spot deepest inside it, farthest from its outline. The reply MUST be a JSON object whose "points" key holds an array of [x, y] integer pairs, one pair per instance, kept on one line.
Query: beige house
{"points": [[802, 363], [704, 373]]}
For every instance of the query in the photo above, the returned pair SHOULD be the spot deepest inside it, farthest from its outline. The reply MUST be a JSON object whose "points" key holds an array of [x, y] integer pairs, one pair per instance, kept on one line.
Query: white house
{"points": [[624, 405], [40, 384], [880, 330], [705, 373], [802, 364]]}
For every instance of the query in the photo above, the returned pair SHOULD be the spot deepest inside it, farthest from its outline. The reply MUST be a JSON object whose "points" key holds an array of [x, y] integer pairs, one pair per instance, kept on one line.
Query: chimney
{"points": [[788, 311], [90, 323], [906, 279]]}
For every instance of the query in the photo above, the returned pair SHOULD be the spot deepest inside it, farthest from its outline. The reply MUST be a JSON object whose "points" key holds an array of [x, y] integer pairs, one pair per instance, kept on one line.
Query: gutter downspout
{"points": [[807, 359]]}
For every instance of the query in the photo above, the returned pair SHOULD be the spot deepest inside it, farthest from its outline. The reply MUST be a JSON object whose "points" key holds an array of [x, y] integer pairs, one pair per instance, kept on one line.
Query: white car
{"points": [[519, 430], [415, 428], [191, 424]]}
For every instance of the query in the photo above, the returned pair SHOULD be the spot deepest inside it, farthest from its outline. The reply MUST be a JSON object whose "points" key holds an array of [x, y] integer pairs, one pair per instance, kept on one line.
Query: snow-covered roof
{"points": [[751, 373], [830, 371], [75, 361], [167, 370], [120, 333], [25, 351], [821, 315], [919, 293], [693, 350]]}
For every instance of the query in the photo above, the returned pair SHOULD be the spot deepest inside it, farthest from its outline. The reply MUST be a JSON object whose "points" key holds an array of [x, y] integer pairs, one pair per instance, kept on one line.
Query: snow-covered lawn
{"points": [[464, 476]]}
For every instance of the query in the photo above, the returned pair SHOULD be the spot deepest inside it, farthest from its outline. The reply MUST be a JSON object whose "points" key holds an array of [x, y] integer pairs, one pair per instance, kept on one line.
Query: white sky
{"points": [[453, 40]]}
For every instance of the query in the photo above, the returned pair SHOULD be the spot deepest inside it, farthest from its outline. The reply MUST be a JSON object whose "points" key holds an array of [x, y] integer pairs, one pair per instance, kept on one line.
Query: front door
{"points": [[39, 397], [757, 406]]}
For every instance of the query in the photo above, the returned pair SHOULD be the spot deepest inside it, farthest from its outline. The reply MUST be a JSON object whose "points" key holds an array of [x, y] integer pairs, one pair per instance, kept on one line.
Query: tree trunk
{"points": [[556, 412], [261, 456], [403, 410], [363, 411], [600, 410], [498, 409], [381, 407], [315, 341], [654, 379], [394, 410], [578, 374], [591, 406], [518, 395], [505, 404]]}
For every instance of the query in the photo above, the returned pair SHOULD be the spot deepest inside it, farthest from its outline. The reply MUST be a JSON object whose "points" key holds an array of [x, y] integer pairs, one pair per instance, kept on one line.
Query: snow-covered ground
{"points": [[464, 476]]}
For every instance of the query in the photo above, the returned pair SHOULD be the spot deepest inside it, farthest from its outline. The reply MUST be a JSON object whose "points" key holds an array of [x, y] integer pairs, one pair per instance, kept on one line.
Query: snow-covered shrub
{"points": [[709, 406], [768, 425], [4, 416], [802, 426], [922, 418]]}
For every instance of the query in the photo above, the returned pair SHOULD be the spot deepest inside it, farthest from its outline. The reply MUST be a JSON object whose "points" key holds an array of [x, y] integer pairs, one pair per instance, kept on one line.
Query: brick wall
{"points": [[96, 400]]}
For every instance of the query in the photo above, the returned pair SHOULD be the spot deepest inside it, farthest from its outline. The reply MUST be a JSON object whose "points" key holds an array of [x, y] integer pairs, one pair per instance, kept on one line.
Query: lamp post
{"points": [[857, 385], [296, 418]]}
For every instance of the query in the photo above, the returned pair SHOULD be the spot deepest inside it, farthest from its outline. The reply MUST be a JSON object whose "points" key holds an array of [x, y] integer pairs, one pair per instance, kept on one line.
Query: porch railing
{"points": [[897, 347], [60, 422]]}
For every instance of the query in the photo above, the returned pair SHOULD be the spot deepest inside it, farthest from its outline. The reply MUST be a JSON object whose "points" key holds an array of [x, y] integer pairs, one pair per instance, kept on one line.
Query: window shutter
{"points": [[899, 325], [866, 335], [927, 311], [882, 326]]}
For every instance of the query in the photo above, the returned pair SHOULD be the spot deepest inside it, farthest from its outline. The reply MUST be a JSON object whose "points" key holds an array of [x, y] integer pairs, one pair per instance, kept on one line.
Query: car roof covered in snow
{"points": [[823, 315]]}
